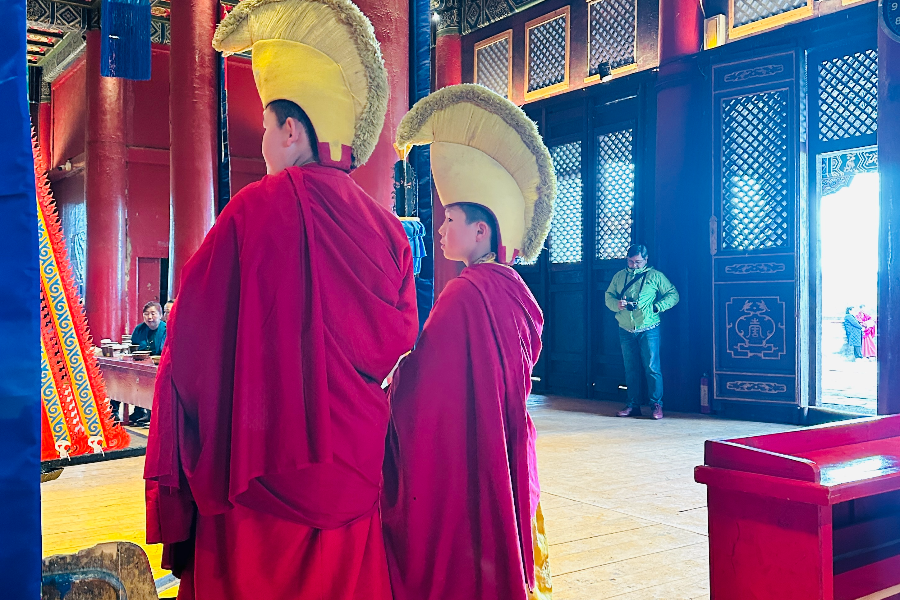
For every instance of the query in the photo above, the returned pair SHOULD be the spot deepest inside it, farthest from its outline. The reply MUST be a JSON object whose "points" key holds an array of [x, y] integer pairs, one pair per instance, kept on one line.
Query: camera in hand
{"points": [[630, 304]]}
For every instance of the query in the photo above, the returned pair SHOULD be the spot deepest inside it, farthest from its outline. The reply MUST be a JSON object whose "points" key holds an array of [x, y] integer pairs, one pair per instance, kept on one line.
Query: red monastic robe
{"points": [[461, 488], [264, 459]]}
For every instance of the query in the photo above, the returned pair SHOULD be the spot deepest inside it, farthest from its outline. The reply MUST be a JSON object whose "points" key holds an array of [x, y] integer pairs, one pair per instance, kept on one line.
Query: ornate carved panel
{"points": [[159, 33], [49, 23], [493, 63], [447, 12], [612, 34], [63, 55], [758, 388], [757, 327], [615, 193], [848, 96], [47, 13], [566, 238], [479, 13], [836, 170], [772, 267]]}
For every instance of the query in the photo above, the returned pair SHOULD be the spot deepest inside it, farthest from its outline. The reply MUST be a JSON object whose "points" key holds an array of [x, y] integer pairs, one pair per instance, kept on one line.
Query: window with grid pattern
{"points": [[613, 29], [755, 163], [566, 226], [492, 66], [848, 96], [751, 11], [547, 54], [615, 193]]}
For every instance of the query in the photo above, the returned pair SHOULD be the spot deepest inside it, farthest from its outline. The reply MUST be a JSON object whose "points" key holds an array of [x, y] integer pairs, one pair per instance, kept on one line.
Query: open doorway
{"points": [[848, 280]]}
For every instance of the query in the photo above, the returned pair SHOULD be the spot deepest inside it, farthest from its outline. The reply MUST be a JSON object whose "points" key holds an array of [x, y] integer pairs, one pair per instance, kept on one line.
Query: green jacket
{"points": [[657, 295]]}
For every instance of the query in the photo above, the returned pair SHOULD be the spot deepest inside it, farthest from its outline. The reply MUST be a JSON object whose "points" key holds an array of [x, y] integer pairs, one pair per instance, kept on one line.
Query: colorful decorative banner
{"points": [[76, 417]]}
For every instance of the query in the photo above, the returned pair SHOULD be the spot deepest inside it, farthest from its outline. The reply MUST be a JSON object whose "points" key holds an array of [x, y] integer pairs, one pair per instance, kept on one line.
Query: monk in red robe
{"points": [[264, 461], [461, 497]]}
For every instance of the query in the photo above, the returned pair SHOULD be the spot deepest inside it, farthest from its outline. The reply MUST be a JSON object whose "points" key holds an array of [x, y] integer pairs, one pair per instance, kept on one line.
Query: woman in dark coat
{"points": [[853, 330]]}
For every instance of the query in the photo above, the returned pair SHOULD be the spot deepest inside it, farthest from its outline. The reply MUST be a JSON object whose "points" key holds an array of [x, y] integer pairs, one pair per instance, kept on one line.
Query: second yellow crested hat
{"points": [[321, 55], [485, 150]]}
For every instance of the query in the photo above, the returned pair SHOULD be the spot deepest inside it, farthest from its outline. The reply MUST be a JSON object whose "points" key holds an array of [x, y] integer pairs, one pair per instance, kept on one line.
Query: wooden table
{"points": [[808, 514], [129, 382]]}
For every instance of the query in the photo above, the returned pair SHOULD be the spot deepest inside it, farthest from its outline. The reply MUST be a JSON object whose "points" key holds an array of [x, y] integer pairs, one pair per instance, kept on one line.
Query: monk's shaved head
{"points": [[476, 213]]}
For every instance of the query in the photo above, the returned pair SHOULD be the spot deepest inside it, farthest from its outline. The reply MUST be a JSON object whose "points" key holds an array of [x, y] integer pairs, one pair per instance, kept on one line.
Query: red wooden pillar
{"points": [[193, 125], [447, 71], [680, 247], [390, 18], [104, 186], [889, 254], [680, 24]]}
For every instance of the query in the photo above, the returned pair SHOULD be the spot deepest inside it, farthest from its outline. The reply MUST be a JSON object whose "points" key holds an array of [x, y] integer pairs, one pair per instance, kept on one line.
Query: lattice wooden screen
{"points": [[612, 33], [566, 227], [755, 171], [493, 68], [848, 96], [547, 54], [746, 12], [615, 193]]}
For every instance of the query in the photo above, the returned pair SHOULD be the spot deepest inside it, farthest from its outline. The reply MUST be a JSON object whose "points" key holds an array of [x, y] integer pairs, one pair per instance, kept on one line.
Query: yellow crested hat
{"points": [[323, 56], [485, 150]]}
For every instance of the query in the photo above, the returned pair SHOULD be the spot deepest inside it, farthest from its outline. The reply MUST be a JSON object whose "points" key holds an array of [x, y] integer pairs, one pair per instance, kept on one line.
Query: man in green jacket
{"points": [[638, 295]]}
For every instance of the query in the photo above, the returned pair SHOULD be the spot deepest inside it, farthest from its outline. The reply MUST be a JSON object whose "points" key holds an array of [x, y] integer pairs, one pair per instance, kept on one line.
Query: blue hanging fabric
{"points": [[415, 233], [20, 324], [125, 33]]}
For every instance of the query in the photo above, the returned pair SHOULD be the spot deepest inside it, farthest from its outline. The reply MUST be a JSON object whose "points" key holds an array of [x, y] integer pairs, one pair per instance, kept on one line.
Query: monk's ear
{"points": [[482, 230], [295, 130]]}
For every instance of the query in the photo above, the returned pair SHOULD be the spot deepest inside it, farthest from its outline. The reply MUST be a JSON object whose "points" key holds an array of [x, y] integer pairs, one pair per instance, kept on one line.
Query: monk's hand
{"points": [[390, 378]]}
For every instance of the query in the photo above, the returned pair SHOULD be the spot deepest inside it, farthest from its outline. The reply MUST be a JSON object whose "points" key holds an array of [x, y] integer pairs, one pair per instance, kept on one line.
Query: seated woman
{"points": [[149, 335]]}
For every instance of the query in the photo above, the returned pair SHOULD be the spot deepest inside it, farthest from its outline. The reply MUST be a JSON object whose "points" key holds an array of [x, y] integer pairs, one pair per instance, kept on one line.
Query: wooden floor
{"points": [[624, 517]]}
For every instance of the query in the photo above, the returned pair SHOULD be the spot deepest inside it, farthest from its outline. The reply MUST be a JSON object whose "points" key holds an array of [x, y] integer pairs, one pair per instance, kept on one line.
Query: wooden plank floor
{"points": [[624, 517]]}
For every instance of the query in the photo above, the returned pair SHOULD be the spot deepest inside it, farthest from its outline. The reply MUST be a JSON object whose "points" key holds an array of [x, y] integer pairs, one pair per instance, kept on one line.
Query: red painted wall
{"points": [[147, 204], [68, 113], [245, 130], [148, 105]]}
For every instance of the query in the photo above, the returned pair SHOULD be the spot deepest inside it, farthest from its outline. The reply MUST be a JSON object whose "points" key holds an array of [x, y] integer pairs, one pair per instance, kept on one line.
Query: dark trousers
{"points": [[641, 354], [137, 413]]}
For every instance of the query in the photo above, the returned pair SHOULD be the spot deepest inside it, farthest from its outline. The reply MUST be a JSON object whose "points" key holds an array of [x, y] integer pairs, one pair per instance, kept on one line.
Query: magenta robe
{"points": [[264, 460], [461, 483]]}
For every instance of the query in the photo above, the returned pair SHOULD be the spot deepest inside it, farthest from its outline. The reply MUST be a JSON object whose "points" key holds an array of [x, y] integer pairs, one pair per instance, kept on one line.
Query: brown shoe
{"points": [[657, 412], [629, 411]]}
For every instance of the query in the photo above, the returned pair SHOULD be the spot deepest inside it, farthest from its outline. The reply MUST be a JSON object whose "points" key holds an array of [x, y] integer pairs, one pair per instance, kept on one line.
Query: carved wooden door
{"points": [[757, 236]]}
